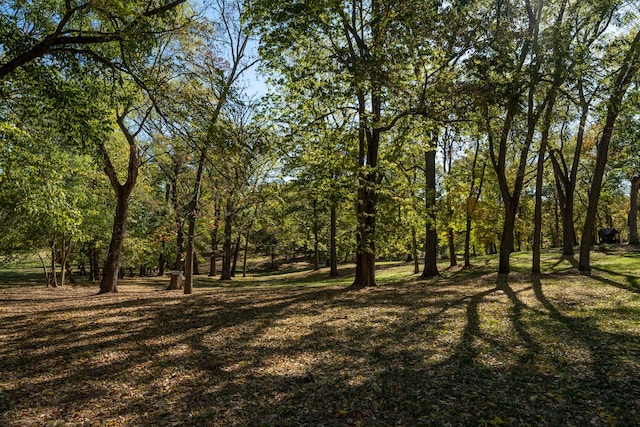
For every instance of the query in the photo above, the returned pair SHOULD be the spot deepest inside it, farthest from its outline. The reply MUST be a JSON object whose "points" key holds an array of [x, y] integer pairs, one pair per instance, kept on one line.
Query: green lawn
{"points": [[296, 348]]}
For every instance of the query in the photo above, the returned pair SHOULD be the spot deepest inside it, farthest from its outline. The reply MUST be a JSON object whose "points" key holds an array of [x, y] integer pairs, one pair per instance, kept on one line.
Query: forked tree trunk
{"points": [[109, 282]]}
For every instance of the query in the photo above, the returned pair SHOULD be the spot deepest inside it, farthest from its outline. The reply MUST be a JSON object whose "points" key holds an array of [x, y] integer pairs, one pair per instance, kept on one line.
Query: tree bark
{"points": [[507, 239], [162, 258], [316, 253], [54, 272], [452, 249], [214, 242], [333, 256], [236, 252], [94, 264], [633, 211], [414, 250], [109, 282], [431, 238], [369, 140], [228, 227], [474, 196], [511, 194], [244, 253], [44, 268], [63, 259]]}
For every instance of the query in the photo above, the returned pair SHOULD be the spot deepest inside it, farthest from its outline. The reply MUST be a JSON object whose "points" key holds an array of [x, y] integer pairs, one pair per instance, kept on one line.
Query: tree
{"points": [[557, 76], [222, 82], [586, 38], [510, 69], [630, 62], [624, 158], [123, 190], [46, 126], [58, 29], [371, 57]]}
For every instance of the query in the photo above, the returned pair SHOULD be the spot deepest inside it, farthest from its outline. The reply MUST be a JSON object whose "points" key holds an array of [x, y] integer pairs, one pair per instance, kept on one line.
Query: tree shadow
{"points": [[632, 283], [400, 354]]}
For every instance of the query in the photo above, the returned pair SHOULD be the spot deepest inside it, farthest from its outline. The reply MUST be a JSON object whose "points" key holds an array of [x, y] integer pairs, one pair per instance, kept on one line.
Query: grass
{"points": [[295, 348]]}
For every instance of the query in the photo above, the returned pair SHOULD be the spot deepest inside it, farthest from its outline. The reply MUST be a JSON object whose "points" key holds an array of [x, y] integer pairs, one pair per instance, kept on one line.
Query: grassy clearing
{"points": [[467, 348]]}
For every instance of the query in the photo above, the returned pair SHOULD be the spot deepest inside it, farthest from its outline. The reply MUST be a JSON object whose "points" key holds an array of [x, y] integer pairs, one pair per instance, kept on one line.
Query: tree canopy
{"points": [[389, 130]]}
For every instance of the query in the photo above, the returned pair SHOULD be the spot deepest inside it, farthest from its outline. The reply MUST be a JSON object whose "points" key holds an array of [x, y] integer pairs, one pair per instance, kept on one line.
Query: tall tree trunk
{"points": [[194, 207], [162, 258], [109, 282], [244, 253], [54, 270], [236, 251], [178, 264], [507, 238], [228, 227], [474, 196], [63, 259], [214, 241], [633, 211], [369, 140], [414, 250], [546, 126], [44, 268], [452, 248], [333, 256], [94, 264], [565, 189], [624, 78], [69, 271], [431, 238], [566, 179], [467, 241], [556, 233], [196, 263], [529, 65], [316, 253]]}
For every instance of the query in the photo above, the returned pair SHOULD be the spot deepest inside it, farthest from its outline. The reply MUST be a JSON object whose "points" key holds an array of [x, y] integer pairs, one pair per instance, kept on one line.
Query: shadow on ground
{"points": [[468, 348]]}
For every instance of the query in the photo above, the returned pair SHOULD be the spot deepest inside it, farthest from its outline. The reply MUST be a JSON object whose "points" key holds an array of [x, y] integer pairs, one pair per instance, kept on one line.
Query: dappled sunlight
{"points": [[450, 352]]}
